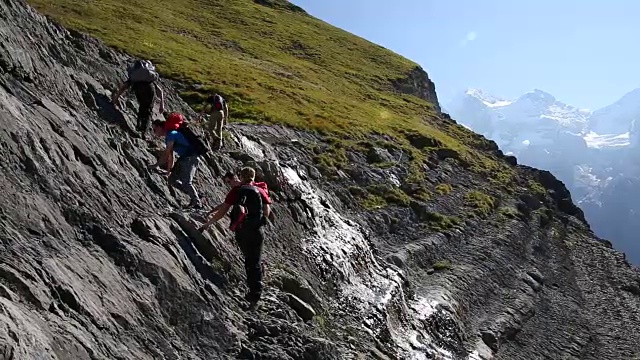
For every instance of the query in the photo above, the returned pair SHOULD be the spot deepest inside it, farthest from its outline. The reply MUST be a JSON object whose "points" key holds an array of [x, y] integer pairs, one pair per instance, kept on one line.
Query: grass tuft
{"points": [[439, 222], [482, 203], [444, 189], [537, 189], [442, 265]]}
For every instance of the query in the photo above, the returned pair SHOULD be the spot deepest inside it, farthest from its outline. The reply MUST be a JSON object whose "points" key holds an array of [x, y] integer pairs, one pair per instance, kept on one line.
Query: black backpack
{"points": [[247, 210], [199, 147]]}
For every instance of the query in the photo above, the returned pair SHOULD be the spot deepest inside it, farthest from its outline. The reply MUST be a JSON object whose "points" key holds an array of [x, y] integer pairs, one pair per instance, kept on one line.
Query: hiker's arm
{"points": [[164, 158], [266, 209], [216, 208], [118, 93], [169, 156], [160, 96], [222, 211], [204, 108], [224, 207]]}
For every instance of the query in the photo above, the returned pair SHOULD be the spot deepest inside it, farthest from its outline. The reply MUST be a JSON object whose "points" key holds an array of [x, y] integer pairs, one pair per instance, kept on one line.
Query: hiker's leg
{"points": [[215, 128], [175, 176], [211, 129], [145, 110], [241, 242], [253, 261], [188, 173], [219, 123], [211, 125]]}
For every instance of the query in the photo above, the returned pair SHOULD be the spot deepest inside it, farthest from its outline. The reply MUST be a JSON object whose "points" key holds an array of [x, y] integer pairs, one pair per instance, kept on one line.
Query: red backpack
{"points": [[216, 101]]}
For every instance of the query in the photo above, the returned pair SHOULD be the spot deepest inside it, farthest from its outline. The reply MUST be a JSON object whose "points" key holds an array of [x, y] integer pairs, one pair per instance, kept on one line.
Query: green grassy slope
{"points": [[274, 63]]}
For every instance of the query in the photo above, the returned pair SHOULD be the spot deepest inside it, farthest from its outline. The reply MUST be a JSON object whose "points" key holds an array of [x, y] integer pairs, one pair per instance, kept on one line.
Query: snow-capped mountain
{"points": [[617, 117], [595, 153], [536, 118]]}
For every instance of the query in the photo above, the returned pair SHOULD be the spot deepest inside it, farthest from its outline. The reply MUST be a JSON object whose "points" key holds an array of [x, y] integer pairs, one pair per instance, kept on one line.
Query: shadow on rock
{"points": [[109, 113], [199, 250]]}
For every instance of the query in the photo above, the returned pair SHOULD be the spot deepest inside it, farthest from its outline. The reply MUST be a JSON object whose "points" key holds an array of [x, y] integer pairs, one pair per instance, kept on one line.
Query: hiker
{"points": [[219, 114], [143, 78], [182, 140], [250, 207]]}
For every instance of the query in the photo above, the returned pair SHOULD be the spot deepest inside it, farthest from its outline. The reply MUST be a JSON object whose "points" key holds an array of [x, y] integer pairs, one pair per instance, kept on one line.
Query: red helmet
{"points": [[173, 121]]}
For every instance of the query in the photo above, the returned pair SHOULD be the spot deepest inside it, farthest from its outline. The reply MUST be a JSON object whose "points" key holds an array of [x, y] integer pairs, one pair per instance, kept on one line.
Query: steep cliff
{"points": [[367, 258]]}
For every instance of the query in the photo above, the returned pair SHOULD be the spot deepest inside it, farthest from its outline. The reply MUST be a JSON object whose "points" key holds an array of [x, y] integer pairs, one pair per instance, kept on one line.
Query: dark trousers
{"points": [[145, 110], [146, 96], [250, 239]]}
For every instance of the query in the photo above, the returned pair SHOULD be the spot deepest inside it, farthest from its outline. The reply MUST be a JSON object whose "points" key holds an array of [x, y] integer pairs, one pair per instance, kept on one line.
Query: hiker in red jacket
{"points": [[250, 207]]}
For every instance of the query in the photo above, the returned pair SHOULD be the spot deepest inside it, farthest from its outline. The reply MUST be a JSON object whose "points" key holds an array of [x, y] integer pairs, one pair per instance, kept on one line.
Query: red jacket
{"points": [[232, 196]]}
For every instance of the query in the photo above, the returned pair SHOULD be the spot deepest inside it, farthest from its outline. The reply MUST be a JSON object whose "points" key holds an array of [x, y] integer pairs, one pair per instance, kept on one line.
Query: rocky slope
{"points": [[97, 263], [593, 153]]}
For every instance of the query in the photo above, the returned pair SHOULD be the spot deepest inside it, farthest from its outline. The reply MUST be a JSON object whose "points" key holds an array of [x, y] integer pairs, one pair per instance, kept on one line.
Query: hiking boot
{"points": [[253, 301], [195, 205], [252, 297]]}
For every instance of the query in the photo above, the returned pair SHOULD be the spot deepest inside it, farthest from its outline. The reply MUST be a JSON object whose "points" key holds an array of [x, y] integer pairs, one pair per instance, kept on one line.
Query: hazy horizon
{"points": [[582, 53]]}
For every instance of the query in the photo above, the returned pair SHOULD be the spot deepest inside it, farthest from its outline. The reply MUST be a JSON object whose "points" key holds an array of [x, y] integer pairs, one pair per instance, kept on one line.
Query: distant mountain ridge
{"points": [[608, 126], [592, 152]]}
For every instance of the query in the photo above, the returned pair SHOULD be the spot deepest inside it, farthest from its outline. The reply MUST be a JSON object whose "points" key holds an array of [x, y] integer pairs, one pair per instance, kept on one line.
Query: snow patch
{"points": [[598, 141], [487, 99], [499, 103]]}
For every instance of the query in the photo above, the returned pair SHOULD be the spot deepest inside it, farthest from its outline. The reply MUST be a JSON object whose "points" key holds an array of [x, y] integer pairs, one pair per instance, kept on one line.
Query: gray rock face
{"points": [[303, 309], [96, 263], [417, 83]]}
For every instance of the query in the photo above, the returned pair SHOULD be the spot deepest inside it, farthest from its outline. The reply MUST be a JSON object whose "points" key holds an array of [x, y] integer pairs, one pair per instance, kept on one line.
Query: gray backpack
{"points": [[143, 71]]}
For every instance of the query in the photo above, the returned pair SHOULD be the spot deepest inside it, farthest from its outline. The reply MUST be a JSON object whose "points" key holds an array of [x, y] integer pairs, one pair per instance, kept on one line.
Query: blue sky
{"points": [[584, 52]]}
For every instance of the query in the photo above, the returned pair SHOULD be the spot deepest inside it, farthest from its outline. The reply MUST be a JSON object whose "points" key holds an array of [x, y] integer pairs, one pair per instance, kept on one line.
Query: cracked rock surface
{"points": [[97, 262]]}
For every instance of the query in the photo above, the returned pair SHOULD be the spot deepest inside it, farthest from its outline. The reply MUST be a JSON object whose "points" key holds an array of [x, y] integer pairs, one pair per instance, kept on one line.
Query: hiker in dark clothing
{"points": [[142, 78], [182, 173], [250, 204]]}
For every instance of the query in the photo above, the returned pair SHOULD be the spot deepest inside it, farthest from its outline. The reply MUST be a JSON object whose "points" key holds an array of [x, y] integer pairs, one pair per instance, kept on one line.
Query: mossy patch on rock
{"points": [[444, 189], [442, 265], [482, 203]]}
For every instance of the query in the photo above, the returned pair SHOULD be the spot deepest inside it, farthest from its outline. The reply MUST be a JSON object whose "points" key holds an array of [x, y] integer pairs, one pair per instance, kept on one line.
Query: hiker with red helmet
{"points": [[250, 208], [179, 138]]}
